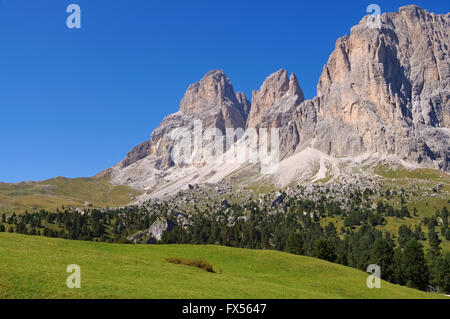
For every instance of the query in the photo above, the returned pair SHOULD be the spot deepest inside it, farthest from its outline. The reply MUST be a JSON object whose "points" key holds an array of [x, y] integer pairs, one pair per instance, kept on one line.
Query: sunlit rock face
{"points": [[212, 101], [390, 88]]}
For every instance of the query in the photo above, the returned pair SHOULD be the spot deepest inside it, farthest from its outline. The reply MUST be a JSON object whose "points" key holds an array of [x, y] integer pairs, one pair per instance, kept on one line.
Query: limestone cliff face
{"points": [[212, 101], [383, 90], [390, 88]]}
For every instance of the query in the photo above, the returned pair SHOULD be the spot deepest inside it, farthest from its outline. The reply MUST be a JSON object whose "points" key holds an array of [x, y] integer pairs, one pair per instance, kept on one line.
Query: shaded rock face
{"points": [[212, 101], [383, 90], [137, 153]]}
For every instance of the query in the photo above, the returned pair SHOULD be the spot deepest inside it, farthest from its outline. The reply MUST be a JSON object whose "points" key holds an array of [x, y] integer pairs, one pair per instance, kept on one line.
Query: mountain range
{"points": [[383, 97]]}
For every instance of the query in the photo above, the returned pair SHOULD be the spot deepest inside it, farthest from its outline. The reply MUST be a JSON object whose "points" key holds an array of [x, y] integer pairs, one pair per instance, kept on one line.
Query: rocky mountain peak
{"points": [[212, 90], [294, 87], [273, 88], [212, 101]]}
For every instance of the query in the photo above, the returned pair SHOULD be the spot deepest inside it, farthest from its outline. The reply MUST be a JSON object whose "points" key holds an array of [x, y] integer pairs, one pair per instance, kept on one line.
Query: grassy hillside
{"points": [[35, 267], [55, 192]]}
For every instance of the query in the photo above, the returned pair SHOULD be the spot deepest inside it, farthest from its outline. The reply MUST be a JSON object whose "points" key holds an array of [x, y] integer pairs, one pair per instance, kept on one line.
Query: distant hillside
{"points": [[55, 192], [35, 267]]}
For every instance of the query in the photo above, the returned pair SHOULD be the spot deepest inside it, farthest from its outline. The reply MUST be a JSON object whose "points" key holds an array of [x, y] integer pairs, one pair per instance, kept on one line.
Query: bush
{"points": [[193, 263]]}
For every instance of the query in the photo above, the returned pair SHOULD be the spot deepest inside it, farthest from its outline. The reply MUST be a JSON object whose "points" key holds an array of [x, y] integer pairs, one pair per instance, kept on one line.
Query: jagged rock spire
{"points": [[273, 88]]}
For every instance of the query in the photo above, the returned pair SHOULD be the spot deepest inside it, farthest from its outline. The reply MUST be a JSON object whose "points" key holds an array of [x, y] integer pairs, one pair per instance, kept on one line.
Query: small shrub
{"points": [[193, 263]]}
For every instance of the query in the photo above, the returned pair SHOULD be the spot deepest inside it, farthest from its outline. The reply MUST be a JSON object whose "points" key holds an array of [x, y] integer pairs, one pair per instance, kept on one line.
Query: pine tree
{"points": [[413, 265], [323, 249], [404, 235], [404, 212], [418, 233], [294, 244], [435, 242], [382, 254], [440, 272], [445, 217], [396, 267]]}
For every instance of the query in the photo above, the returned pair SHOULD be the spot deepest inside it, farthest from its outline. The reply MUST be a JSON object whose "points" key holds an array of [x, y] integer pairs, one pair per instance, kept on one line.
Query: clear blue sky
{"points": [[73, 102]]}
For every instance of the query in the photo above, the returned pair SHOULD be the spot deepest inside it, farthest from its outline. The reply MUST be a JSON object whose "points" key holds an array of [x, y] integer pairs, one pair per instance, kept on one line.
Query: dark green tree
{"points": [[434, 242], [440, 272], [382, 254], [294, 244], [418, 233], [323, 249], [414, 266], [404, 212], [396, 267], [405, 234]]}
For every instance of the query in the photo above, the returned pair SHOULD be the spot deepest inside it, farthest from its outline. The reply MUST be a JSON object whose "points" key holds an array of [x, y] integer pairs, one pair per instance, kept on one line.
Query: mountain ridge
{"points": [[383, 91]]}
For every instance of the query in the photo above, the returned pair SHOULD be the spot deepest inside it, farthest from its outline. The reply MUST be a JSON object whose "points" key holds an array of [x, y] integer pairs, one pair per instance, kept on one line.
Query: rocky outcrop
{"points": [[277, 200], [153, 234]]}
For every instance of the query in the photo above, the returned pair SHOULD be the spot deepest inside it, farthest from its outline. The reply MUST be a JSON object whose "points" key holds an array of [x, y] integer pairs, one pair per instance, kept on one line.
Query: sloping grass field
{"points": [[35, 267]]}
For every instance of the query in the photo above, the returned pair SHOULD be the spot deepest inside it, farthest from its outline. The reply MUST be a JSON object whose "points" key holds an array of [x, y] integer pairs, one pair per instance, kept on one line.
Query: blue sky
{"points": [[73, 102]]}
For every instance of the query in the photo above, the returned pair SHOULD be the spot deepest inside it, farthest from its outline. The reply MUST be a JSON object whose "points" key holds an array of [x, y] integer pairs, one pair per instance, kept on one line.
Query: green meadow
{"points": [[35, 267]]}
